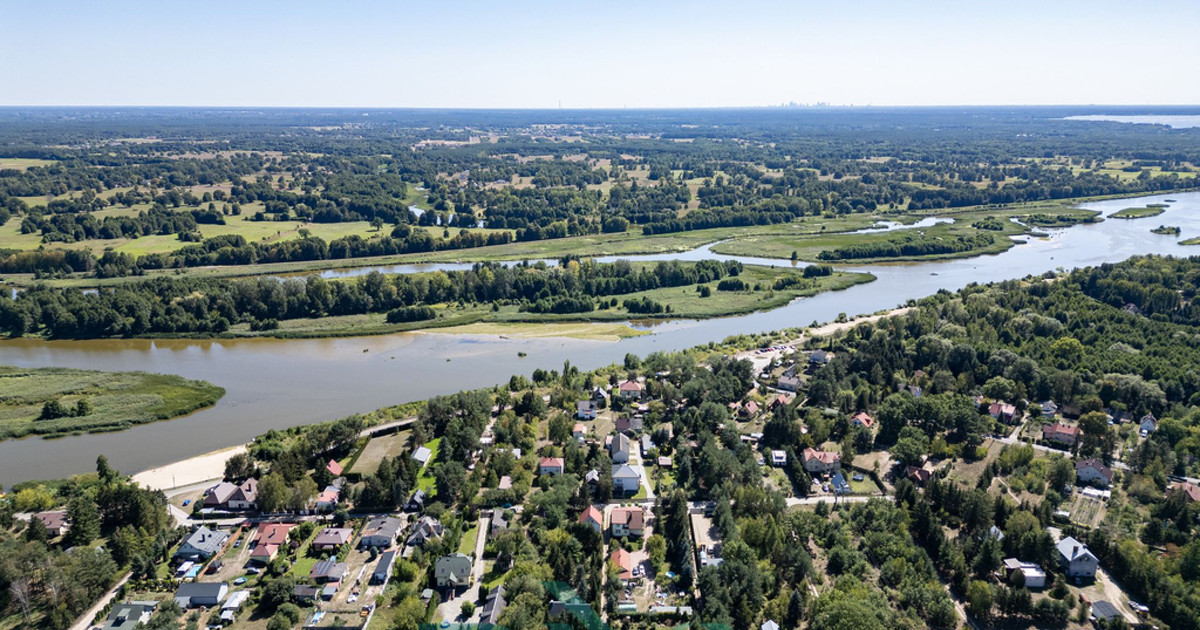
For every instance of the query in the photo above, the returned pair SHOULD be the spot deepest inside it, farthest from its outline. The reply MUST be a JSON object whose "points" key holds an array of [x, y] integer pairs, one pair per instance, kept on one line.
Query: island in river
{"points": [[53, 402]]}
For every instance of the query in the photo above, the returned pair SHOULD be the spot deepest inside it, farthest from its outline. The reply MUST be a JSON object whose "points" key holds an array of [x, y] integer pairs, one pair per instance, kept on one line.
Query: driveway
{"points": [[85, 620], [635, 462]]}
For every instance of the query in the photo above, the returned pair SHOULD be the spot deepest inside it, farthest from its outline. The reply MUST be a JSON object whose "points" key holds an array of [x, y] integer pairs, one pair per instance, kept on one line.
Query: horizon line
{"points": [[796, 106]]}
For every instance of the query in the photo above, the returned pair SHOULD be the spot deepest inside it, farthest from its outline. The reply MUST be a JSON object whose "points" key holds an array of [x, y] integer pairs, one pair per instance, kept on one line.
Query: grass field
{"points": [[426, 481], [21, 164], [1151, 210], [378, 448], [118, 399]]}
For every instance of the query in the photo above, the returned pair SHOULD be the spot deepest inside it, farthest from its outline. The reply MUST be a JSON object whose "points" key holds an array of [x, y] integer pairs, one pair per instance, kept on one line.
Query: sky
{"points": [[587, 54]]}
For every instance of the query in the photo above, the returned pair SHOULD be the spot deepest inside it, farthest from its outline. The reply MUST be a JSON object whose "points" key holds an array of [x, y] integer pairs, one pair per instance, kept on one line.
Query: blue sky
{"points": [[598, 54]]}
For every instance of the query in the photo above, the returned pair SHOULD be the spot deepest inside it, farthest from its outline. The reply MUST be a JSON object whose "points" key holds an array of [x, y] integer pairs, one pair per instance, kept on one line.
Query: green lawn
{"points": [[426, 481], [469, 537], [118, 400]]}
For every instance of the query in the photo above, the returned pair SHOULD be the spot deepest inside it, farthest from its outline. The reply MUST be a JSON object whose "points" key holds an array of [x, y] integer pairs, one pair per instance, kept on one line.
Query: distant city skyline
{"points": [[542, 54]]}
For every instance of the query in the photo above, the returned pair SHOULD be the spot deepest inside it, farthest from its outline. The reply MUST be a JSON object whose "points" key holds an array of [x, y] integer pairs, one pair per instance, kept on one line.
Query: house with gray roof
{"points": [[626, 479], [489, 617], [1075, 559], [383, 568], [620, 448], [453, 571], [380, 532], [197, 594], [426, 529], [128, 615], [203, 544]]}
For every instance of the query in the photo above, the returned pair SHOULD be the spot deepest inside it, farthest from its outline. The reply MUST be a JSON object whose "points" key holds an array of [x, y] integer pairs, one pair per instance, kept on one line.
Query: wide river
{"points": [[273, 384]]}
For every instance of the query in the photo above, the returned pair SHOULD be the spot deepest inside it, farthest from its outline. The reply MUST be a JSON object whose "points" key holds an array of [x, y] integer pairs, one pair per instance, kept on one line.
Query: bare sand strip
{"points": [[190, 471]]}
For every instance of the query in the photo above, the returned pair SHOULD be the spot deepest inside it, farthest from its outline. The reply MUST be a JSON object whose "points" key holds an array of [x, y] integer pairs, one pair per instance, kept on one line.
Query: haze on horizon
{"points": [[542, 54]]}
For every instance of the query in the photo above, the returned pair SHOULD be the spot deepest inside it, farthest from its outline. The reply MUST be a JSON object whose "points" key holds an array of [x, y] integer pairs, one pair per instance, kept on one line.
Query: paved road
{"points": [[85, 620], [451, 609], [794, 501]]}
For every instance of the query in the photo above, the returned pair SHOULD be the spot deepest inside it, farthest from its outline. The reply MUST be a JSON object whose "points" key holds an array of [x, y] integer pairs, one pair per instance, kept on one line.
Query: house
{"points": [[245, 497], [1048, 408], [995, 532], [422, 455], [778, 458], [1003, 412], [228, 496], [749, 410], [628, 521], [647, 444], [218, 495], [383, 568], [203, 544], [862, 419], [789, 383], [626, 479], [332, 538], [780, 400], [1190, 491], [334, 468], [56, 522], [665, 462], [453, 571], [197, 594], [232, 604], [1093, 471], [1149, 424], [1032, 575], [914, 391], [489, 617], [128, 615], [599, 395], [1060, 433], [328, 499], [498, 522], [821, 462], [820, 357], [769, 625], [552, 466], [380, 532], [267, 541], [505, 483], [586, 409], [416, 502], [305, 593], [624, 563], [630, 390], [592, 516], [1075, 559], [592, 476], [328, 571], [579, 431], [426, 529], [917, 475], [619, 449]]}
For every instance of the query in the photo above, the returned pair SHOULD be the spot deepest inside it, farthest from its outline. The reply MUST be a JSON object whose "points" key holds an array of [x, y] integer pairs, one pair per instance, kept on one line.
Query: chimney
{"points": [[1074, 551]]}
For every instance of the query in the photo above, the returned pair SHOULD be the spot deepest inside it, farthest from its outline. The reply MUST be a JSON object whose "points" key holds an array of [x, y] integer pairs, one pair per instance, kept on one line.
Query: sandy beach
{"points": [[190, 471]]}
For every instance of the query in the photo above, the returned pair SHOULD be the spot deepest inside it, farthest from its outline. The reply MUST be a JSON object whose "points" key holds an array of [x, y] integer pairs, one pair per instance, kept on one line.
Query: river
{"points": [[273, 384]]}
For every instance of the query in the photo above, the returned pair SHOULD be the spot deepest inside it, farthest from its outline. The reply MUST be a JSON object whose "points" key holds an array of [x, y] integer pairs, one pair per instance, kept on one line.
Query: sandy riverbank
{"points": [[192, 470]]}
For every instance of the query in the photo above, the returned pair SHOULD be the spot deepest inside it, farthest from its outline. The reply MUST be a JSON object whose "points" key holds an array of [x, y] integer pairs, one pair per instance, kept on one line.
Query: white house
{"points": [[1075, 559], [1094, 472], [552, 466], [778, 458], [628, 521], [1032, 574], [620, 448], [585, 410], [453, 571], [821, 461], [626, 479]]}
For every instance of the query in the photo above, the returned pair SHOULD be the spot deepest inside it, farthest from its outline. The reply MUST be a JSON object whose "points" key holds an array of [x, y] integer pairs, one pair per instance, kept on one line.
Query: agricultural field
{"points": [[57, 401]]}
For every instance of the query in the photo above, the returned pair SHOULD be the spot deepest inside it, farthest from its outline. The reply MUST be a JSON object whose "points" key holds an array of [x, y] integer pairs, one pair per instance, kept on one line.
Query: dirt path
{"points": [[85, 620]]}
